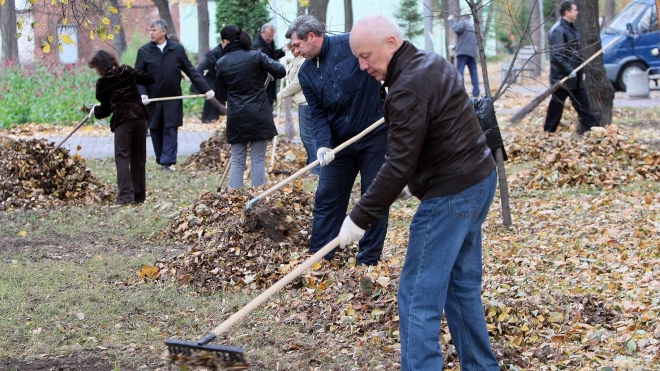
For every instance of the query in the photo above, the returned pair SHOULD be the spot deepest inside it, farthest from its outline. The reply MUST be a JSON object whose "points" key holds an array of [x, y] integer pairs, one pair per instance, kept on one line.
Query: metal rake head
{"points": [[208, 355]]}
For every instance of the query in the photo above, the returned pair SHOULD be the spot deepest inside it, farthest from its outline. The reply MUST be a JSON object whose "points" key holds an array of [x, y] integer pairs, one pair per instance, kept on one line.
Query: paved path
{"points": [[99, 147]]}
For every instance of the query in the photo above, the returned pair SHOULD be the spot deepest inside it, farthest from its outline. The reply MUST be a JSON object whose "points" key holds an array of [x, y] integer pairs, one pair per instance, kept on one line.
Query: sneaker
{"points": [[169, 168]]}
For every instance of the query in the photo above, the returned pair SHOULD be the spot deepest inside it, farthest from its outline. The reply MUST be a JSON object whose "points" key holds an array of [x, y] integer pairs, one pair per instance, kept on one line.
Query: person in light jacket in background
{"points": [[466, 49], [240, 83], [294, 91]]}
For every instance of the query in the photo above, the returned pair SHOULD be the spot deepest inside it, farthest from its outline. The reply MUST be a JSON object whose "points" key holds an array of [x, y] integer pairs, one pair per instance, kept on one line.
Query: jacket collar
{"points": [[565, 23], [325, 47], [399, 61]]}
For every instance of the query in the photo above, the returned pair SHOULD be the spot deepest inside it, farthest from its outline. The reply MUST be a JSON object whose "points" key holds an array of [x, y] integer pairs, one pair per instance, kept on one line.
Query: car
{"points": [[637, 29]]}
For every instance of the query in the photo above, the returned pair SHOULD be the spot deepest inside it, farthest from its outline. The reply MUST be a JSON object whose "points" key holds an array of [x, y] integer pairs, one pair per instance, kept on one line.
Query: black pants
{"points": [[210, 112], [165, 141], [130, 159], [580, 101]]}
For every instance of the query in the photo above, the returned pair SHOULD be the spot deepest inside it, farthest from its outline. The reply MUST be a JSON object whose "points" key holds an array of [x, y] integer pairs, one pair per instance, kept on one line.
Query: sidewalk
{"points": [[100, 147]]}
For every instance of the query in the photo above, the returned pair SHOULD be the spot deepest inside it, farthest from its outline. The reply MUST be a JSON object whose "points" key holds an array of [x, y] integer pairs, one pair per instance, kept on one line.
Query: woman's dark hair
{"points": [[235, 34], [103, 61]]}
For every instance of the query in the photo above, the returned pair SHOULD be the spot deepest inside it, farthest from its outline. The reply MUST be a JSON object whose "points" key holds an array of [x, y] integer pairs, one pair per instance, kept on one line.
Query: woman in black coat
{"points": [[240, 82], [117, 90]]}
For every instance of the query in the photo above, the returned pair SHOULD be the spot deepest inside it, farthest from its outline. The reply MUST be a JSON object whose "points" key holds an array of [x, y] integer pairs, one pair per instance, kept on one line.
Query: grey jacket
{"points": [[466, 43]]}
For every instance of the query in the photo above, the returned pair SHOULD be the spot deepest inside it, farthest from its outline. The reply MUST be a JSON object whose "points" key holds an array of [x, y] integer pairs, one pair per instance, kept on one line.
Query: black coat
{"points": [[206, 68], [240, 83], [565, 54], [166, 67], [118, 93], [274, 54]]}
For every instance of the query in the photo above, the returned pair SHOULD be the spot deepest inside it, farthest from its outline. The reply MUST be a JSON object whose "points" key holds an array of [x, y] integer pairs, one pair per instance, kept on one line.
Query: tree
{"points": [[319, 9], [203, 29], [348, 15], [249, 15], [165, 14], [410, 19], [8, 30], [599, 88], [610, 12], [118, 42]]}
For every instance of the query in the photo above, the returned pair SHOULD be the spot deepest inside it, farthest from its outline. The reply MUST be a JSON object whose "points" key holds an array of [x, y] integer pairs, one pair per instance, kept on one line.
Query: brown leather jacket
{"points": [[118, 93], [435, 144]]}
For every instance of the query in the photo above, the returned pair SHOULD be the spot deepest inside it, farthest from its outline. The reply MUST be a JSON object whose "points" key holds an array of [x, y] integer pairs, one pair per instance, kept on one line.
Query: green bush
{"points": [[52, 94], [130, 53]]}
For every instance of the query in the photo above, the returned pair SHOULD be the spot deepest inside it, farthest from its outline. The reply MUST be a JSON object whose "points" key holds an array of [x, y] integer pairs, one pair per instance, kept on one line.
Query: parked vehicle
{"points": [[637, 25]]}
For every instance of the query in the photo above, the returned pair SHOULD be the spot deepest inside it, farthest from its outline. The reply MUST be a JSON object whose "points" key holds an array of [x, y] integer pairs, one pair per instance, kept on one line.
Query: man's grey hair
{"points": [[160, 23], [303, 25], [267, 26]]}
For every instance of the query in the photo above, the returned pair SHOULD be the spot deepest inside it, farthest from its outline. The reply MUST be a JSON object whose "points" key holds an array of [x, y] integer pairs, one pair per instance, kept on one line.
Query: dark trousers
{"points": [[334, 192], [165, 144], [471, 63], [130, 159], [307, 135], [586, 119], [210, 112]]}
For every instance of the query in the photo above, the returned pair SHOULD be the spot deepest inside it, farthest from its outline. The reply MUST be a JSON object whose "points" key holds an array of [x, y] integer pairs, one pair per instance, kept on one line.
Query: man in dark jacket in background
{"points": [[206, 68], [435, 146], [343, 102], [165, 60], [265, 42], [565, 49], [466, 49]]}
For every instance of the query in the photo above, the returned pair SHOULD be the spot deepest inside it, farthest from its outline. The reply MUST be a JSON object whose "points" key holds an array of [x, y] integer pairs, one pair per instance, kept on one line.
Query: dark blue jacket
{"points": [[343, 99]]}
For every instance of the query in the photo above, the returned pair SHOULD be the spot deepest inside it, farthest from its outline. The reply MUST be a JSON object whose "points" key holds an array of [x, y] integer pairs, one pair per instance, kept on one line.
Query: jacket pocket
{"points": [[466, 203]]}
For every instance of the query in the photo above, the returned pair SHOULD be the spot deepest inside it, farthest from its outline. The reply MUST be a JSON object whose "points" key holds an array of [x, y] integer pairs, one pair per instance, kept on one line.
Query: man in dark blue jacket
{"points": [[344, 101]]}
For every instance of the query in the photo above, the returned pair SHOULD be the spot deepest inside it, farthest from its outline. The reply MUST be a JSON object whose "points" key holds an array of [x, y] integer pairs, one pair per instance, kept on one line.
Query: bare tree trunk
{"points": [[319, 9], [8, 30], [203, 29], [599, 88], [610, 12], [118, 42], [348, 15], [453, 8], [165, 14], [535, 34], [444, 7]]}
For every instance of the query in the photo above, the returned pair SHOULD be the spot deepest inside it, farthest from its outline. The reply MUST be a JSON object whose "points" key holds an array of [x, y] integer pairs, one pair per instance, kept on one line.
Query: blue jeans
{"points": [[257, 163], [461, 62], [307, 135], [365, 156], [165, 142], [443, 270]]}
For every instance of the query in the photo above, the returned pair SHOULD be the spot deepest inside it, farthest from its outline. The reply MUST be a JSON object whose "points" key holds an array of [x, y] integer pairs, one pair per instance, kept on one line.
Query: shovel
{"points": [[230, 356], [313, 164]]}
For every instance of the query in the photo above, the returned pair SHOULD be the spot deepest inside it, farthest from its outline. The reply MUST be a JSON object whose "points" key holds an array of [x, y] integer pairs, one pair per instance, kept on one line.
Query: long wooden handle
{"points": [[596, 54], [277, 286], [314, 164], [91, 112], [176, 98]]}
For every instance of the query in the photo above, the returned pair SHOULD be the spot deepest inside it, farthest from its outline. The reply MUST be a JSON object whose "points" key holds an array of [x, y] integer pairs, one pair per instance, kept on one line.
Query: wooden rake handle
{"points": [[277, 286], [309, 167], [177, 97]]}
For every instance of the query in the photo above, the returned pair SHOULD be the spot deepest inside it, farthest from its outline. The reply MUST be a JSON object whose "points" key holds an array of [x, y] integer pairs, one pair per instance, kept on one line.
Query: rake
{"points": [[188, 353]]}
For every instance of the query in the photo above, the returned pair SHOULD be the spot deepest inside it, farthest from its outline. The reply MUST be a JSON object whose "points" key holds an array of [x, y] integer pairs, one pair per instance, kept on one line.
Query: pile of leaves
{"points": [[603, 158], [234, 248], [26, 182], [215, 152]]}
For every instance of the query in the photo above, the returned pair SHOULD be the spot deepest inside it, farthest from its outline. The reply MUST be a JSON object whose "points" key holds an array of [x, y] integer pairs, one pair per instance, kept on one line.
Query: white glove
{"points": [[405, 194], [572, 75], [349, 232], [655, 52], [210, 94], [145, 99], [325, 155], [451, 16]]}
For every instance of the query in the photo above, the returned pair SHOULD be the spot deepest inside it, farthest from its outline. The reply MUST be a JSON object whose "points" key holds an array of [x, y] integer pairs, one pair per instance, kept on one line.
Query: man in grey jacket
{"points": [[466, 49]]}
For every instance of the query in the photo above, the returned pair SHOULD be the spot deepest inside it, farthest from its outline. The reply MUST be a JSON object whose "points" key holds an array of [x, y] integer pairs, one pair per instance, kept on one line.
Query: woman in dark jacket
{"points": [[118, 93], [241, 73]]}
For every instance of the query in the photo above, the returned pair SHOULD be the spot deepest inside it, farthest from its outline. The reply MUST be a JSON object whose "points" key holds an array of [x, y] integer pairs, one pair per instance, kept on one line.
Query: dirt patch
{"points": [[72, 362]]}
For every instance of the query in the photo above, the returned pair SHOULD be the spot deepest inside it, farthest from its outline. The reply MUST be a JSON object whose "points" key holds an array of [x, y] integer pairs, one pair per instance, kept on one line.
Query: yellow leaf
{"points": [[2, 2], [91, 34], [129, 5], [32, 1], [377, 312], [350, 311], [116, 29], [50, 39], [53, 2], [18, 35], [148, 271], [111, 37], [64, 21], [105, 20], [22, 233], [46, 47], [20, 23], [316, 265], [112, 9], [60, 47], [65, 2], [66, 39]]}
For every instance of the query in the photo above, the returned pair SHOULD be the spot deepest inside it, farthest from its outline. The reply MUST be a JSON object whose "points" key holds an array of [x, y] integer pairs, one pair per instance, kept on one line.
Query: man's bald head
{"points": [[374, 40]]}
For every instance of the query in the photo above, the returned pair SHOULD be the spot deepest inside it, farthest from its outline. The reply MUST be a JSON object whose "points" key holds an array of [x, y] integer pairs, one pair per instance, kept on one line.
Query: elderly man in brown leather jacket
{"points": [[435, 146]]}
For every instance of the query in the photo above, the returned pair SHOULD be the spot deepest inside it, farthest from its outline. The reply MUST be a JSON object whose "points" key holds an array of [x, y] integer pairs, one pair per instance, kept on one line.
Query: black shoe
{"points": [[169, 168]]}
